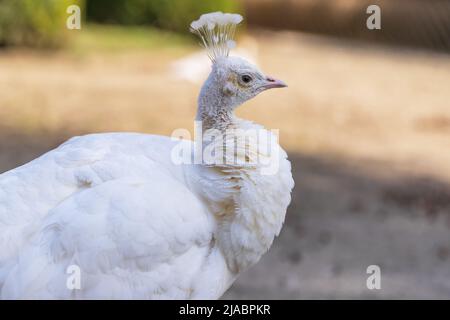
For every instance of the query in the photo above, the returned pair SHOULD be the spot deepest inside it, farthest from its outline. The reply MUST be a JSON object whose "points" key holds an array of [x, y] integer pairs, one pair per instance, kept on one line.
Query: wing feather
{"points": [[109, 205]]}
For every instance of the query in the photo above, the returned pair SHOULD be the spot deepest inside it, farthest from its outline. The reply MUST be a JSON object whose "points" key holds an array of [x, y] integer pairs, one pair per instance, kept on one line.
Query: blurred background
{"points": [[365, 120]]}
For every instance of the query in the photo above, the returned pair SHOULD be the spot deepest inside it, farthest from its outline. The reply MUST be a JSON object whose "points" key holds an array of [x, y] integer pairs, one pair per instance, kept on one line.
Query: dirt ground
{"points": [[367, 129]]}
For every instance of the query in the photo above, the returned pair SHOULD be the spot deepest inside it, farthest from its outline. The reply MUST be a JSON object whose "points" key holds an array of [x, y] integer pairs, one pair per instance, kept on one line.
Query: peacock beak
{"points": [[273, 83]]}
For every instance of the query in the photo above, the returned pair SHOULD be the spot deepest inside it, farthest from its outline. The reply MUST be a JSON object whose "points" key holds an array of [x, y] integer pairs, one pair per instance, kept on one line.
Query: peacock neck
{"points": [[215, 107], [248, 204], [220, 120]]}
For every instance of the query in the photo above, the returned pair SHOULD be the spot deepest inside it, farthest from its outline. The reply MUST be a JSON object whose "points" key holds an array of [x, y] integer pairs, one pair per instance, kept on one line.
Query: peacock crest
{"points": [[216, 30]]}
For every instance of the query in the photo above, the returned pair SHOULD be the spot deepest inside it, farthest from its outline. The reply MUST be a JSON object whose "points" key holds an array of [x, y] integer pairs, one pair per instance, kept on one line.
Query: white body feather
{"points": [[137, 225]]}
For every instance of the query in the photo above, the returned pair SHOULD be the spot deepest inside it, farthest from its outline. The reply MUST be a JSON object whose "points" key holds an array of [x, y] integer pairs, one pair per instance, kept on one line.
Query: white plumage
{"points": [[136, 224]]}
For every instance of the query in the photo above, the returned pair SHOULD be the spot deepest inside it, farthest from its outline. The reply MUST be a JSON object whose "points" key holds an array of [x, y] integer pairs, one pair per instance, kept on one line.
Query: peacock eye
{"points": [[246, 78]]}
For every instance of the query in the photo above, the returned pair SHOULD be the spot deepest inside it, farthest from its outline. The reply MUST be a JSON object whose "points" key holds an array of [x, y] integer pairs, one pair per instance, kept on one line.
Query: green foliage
{"points": [[37, 23], [108, 38], [42, 23], [174, 15]]}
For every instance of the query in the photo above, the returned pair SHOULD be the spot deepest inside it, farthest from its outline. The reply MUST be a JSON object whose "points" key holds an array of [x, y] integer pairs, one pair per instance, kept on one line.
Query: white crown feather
{"points": [[216, 29]]}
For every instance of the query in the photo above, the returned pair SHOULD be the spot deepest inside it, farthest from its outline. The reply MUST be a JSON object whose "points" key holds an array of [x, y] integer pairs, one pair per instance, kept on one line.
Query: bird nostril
{"points": [[273, 83]]}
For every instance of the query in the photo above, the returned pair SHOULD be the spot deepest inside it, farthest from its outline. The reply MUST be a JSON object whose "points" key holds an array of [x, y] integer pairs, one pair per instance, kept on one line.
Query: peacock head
{"points": [[233, 80], [240, 80]]}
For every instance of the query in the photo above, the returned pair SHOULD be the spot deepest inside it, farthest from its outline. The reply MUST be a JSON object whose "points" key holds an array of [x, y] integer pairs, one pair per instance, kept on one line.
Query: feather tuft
{"points": [[216, 30]]}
